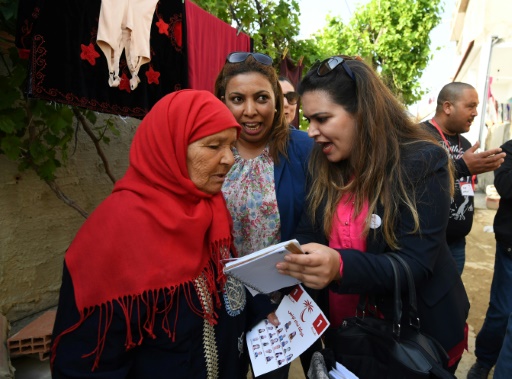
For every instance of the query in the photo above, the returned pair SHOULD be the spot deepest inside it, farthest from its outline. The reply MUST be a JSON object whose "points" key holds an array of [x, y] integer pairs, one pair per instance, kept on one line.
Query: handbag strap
{"points": [[414, 320], [395, 260], [397, 298]]}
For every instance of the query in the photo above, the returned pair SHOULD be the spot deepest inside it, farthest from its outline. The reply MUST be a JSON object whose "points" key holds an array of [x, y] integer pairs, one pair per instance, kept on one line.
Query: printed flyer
{"points": [[301, 324]]}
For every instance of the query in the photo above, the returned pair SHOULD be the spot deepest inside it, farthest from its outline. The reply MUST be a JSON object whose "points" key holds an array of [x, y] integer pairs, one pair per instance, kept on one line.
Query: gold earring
{"points": [[275, 110]]}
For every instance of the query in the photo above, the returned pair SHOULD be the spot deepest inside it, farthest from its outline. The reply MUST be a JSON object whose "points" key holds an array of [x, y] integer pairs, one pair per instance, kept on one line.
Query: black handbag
{"points": [[372, 347]]}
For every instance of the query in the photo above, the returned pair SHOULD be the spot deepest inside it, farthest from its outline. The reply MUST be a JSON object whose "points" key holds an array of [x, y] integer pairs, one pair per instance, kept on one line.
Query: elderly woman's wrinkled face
{"points": [[252, 101], [209, 160]]}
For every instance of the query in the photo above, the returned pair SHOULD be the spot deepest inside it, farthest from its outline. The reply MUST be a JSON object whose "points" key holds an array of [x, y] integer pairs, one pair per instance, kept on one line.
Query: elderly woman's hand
{"points": [[316, 269]]}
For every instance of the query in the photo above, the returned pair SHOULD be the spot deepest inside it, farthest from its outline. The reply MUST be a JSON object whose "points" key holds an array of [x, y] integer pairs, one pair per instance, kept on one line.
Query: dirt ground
{"points": [[477, 276]]}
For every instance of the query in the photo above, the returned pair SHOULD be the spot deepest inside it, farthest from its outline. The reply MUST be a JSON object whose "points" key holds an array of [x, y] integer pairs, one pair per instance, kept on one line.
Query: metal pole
{"points": [[494, 40]]}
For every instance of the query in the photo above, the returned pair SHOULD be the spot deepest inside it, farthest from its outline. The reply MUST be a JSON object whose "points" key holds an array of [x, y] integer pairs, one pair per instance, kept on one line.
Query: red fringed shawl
{"points": [[156, 231]]}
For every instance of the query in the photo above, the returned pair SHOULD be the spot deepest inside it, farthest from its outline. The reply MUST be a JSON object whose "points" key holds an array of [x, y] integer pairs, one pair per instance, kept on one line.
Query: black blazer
{"points": [[503, 183], [443, 304]]}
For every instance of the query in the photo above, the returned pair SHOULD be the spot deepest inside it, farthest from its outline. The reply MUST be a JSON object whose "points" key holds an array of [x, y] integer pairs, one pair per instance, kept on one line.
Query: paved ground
{"points": [[477, 278]]}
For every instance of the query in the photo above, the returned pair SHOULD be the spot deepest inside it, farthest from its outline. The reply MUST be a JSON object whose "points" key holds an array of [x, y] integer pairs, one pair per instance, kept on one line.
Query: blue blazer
{"points": [[290, 182], [443, 304]]}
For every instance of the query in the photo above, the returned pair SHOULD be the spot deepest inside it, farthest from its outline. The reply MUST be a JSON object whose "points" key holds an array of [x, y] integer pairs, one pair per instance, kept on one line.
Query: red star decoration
{"points": [[124, 85], [89, 54], [152, 76], [163, 28]]}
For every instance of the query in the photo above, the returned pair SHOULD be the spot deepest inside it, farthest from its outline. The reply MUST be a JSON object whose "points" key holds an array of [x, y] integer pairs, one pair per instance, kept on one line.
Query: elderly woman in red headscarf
{"points": [[143, 292]]}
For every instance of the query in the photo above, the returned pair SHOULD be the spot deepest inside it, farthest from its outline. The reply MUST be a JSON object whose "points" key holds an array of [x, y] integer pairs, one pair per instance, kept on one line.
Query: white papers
{"points": [[301, 324], [341, 372], [258, 270]]}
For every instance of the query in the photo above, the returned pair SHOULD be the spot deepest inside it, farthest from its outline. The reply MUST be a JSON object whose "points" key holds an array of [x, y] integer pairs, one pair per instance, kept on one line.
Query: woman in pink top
{"points": [[379, 184]]}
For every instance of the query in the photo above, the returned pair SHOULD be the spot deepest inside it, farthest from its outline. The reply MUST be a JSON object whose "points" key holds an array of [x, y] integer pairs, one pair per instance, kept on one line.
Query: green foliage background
{"points": [[391, 35]]}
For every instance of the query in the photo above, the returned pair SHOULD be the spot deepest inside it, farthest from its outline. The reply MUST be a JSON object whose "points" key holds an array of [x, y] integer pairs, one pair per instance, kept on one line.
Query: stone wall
{"points": [[36, 227]]}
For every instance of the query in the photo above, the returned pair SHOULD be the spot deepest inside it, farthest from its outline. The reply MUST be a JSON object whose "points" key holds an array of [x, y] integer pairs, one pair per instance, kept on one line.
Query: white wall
{"points": [[483, 20]]}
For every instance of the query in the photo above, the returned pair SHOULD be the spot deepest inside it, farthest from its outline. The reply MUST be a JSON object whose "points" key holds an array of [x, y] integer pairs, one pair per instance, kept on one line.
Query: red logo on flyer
{"points": [[296, 293], [320, 324], [308, 306]]}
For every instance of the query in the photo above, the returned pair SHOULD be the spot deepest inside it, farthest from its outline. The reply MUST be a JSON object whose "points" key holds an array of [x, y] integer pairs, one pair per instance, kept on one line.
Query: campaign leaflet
{"points": [[301, 324]]}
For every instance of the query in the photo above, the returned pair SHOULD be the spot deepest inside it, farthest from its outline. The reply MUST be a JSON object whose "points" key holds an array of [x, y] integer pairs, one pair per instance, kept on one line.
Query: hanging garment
{"points": [[68, 66], [291, 71], [209, 41], [125, 25], [27, 15]]}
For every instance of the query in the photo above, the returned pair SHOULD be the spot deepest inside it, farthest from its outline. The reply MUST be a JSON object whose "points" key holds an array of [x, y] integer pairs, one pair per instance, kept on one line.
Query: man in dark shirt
{"points": [[490, 339], [456, 109]]}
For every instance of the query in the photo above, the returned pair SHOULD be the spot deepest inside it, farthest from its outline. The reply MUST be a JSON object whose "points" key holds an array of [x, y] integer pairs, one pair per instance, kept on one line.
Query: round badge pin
{"points": [[375, 221]]}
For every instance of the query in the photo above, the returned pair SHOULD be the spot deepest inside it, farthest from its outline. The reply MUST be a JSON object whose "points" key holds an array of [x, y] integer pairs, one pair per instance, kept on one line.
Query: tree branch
{"points": [[233, 16], [264, 41], [96, 141], [56, 189]]}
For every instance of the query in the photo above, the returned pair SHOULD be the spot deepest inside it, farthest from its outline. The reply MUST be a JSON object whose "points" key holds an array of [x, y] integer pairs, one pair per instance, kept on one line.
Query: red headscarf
{"points": [[156, 231]]}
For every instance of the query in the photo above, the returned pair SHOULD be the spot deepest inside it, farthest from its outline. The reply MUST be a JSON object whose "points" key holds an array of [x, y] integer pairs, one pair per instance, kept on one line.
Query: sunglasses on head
{"points": [[331, 63], [292, 97], [241, 56]]}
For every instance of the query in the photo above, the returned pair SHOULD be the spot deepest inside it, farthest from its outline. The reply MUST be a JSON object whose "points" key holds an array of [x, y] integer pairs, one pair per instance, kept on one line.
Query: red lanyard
{"points": [[436, 125]]}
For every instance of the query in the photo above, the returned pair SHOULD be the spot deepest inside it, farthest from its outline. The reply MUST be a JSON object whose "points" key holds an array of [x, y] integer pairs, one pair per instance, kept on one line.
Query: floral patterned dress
{"points": [[250, 194]]}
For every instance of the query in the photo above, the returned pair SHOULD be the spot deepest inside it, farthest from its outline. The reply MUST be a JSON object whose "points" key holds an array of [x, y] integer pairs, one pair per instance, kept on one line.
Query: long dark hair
{"points": [[373, 172]]}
